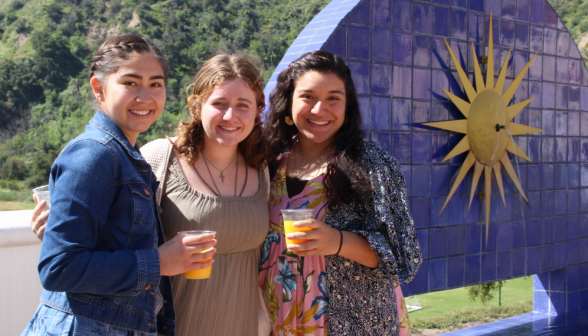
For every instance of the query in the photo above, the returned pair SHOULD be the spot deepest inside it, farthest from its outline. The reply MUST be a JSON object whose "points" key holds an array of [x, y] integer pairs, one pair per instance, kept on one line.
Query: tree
{"points": [[485, 291]]}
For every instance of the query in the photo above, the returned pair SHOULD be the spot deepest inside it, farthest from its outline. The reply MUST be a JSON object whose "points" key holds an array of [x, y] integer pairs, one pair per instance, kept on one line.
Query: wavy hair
{"points": [[346, 181], [215, 71]]}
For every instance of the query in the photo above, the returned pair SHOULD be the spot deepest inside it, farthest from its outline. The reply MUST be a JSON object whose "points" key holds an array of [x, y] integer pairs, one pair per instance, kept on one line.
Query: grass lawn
{"points": [[453, 307], [16, 200], [10, 206]]}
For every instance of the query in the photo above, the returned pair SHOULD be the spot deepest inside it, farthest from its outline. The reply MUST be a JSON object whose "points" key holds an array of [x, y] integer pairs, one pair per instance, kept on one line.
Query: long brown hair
{"points": [[215, 71]]}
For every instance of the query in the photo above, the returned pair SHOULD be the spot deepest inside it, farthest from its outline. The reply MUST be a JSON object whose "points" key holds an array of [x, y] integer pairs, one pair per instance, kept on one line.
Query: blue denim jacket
{"points": [[99, 256]]}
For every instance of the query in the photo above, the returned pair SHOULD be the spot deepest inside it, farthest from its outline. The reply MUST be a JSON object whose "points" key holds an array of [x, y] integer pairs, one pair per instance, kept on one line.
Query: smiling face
{"points": [[134, 96], [318, 106], [228, 113]]}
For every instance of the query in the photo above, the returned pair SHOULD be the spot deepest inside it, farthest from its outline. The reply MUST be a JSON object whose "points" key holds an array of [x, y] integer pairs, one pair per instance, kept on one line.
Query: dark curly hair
{"points": [[346, 180]]}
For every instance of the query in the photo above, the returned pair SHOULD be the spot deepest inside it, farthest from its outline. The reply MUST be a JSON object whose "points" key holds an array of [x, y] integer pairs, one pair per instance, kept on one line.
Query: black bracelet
{"points": [[341, 243]]}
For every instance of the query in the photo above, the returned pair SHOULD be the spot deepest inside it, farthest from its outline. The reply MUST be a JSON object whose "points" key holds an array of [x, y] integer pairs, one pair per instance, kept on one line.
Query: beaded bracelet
{"points": [[341, 243]]}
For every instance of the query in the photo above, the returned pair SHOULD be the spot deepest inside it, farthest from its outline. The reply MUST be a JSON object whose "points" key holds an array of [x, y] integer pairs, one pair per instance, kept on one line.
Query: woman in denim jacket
{"points": [[104, 264]]}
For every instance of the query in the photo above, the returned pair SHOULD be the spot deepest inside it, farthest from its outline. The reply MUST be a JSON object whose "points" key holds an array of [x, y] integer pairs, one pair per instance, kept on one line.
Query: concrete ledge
{"points": [[15, 229]]}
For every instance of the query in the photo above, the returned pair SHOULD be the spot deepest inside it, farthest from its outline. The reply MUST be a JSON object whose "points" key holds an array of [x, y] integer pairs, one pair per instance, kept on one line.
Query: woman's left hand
{"points": [[324, 240]]}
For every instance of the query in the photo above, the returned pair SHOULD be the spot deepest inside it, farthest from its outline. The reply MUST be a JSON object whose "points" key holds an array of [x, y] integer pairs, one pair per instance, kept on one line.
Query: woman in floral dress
{"points": [[363, 242]]}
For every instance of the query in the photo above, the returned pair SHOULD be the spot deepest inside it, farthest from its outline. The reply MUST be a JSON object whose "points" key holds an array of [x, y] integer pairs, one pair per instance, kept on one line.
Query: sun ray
{"points": [[459, 126], [498, 175], [519, 151], [467, 86], [490, 66], [502, 76], [477, 72], [477, 173], [465, 167], [518, 129], [462, 105], [513, 176], [507, 96], [487, 195], [513, 110], [462, 146]]}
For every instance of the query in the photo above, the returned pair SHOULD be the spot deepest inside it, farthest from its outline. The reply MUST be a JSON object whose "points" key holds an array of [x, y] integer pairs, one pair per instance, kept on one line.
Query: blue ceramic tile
{"points": [[573, 202], [536, 118], [550, 16], [421, 51], [534, 174], [583, 149], [380, 113], [534, 209], [440, 82], [541, 282], [557, 280], [584, 98], [523, 10], [533, 260], [359, 43], [493, 7], [473, 239], [440, 21], [572, 226], [440, 55], [420, 212], [460, 3], [522, 117], [364, 108], [437, 274], [360, 15], [381, 45], [574, 98], [560, 176], [518, 234], [490, 243], [439, 174], [573, 123], [382, 139], [573, 175], [546, 230], [459, 24], [437, 245], [559, 255], [535, 92], [382, 13], [549, 68], [561, 72], [547, 257], [421, 84], [402, 77], [420, 112], [460, 50], [438, 218], [546, 176], [522, 36], [536, 69], [583, 226], [583, 304], [420, 283], [584, 174], [423, 236], [439, 147], [573, 149], [402, 15], [563, 40], [572, 278], [479, 48], [407, 172], [505, 236], [421, 180], [455, 240], [560, 202], [547, 203], [477, 5], [455, 272], [401, 114], [442, 2], [401, 147], [573, 304], [561, 123], [548, 122], [381, 75], [533, 232], [536, 40], [550, 41], [518, 262], [537, 14], [421, 148], [504, 264], [509, 8], [541, 302], [574, 71], [402, 44], [472, 269], [488, 266], [337, 42], [360, 75], [457, 208], [583, 272], [548, 94], [476, 30], [521, 92], [422, 18], [507, 32]]}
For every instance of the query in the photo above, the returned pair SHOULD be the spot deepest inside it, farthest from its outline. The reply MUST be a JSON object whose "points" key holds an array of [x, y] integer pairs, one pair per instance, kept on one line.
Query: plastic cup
{"points": [[293, 215], [201, 273], [43, 194]]}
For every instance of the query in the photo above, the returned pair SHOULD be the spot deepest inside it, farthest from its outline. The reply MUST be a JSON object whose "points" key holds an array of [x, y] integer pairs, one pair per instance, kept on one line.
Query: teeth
{"points": [[140, 112], [320, 123], [228, 128]]}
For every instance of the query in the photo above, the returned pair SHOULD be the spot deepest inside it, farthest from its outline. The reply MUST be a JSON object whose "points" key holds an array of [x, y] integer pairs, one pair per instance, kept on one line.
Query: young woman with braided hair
{"points": [[104, 264]]}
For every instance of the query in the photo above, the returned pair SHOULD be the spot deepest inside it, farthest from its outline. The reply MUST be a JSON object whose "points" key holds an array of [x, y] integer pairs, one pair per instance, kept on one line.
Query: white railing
{"points": [[20, 288]]}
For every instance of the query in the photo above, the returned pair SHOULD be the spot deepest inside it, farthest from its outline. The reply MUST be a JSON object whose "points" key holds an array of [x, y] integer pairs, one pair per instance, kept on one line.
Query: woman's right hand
{"points": [[181, 254], [39, 218]]}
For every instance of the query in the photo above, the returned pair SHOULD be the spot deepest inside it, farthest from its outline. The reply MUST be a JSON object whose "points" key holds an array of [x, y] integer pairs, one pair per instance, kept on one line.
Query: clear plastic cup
{"points": [[43, 194], [293, 215], [201, 273]]}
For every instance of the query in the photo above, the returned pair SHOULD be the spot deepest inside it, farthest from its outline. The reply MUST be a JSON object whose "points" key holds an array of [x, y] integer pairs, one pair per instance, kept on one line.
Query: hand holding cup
{"points": [[187, 252]]}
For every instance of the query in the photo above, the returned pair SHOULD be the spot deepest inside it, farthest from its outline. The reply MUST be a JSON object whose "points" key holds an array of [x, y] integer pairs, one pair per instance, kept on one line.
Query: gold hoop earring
{"points": [[346, 120], [289, 121]]}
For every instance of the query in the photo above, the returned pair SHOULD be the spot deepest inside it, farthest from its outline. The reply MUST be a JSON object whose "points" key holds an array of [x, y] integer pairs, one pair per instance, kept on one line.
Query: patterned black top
{"points": [[362, 299]]}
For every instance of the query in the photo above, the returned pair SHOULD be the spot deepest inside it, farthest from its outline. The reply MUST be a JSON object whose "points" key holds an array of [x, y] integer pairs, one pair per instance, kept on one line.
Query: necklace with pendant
{"points": [[222, 175]]}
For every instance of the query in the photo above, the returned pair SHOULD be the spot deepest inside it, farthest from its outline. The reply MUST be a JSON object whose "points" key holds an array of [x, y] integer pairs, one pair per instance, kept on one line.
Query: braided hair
{"points": [[116, 51]]}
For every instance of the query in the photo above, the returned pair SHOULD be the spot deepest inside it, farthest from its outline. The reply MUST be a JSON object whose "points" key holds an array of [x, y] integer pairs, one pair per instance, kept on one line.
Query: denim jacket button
{"points": [[146, 191], [148, 286], [151, 325]]}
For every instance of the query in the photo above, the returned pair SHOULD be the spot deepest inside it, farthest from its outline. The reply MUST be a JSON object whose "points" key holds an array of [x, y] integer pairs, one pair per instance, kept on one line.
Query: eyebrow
{"points": [[141, 77], [241, 99], [333, 91]]}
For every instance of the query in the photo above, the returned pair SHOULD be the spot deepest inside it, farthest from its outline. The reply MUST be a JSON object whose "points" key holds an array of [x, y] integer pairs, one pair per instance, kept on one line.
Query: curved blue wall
{"points": [[400, 63]]}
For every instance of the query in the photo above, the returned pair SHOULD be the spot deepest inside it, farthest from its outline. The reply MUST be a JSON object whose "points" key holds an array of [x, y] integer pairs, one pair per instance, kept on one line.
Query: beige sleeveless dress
{"points": [[228, 302]]}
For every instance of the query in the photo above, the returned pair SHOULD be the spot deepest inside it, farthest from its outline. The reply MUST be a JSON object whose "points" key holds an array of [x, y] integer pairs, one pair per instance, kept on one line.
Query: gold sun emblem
{"points": [[487, 115]]}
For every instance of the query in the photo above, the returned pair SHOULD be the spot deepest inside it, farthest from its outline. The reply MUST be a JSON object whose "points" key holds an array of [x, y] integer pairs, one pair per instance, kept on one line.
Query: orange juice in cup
{"points": [[201, 273], [294, 215]]}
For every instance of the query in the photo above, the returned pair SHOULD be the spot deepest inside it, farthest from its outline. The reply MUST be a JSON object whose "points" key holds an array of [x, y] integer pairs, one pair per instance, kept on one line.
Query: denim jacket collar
{"points": [[102, 121]]}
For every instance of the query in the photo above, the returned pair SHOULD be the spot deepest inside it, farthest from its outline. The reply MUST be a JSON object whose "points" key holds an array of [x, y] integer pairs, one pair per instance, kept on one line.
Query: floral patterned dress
{"points": [[295, 288]]}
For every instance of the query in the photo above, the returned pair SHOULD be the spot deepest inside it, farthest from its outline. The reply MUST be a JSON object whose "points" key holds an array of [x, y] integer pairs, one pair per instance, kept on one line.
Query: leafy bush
{"points": [[10, 185], [14, 169]]}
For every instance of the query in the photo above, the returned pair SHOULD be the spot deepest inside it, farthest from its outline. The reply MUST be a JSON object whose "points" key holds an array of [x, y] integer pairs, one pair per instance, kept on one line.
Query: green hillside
{"points": [[46, 46]]}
